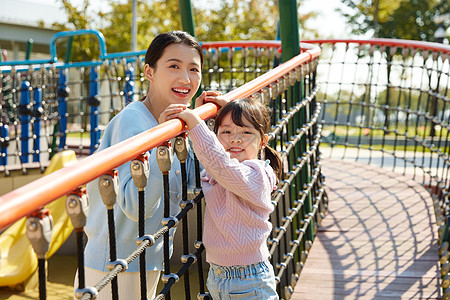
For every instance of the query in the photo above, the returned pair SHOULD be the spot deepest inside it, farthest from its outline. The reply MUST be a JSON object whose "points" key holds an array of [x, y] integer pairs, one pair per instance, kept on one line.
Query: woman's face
{"points": [[176, 77]]}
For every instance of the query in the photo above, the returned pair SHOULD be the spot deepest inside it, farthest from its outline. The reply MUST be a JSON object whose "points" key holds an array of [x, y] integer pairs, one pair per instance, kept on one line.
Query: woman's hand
{"points": [[171, 112], [211, 96]]}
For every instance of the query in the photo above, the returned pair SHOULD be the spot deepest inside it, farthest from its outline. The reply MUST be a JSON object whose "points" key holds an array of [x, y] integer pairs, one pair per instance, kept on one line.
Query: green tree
{"points": [[78, 18], [228, 20], [400, 19]]}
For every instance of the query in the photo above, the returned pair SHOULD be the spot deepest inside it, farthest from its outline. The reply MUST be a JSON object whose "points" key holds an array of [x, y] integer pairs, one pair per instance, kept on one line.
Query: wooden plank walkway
{"points": [[377, 241]]}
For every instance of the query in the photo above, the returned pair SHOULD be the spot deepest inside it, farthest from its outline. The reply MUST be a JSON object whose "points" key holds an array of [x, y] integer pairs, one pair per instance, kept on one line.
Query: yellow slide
{"points": [[17, 258]]}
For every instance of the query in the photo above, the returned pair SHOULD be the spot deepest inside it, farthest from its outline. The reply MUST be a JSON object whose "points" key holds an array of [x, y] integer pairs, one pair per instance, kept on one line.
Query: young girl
{"points": [[237, 188], [173, 65]]}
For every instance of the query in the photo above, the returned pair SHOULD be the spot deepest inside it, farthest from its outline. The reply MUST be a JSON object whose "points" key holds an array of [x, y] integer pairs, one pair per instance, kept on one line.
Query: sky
{"points": [[334, 26]]}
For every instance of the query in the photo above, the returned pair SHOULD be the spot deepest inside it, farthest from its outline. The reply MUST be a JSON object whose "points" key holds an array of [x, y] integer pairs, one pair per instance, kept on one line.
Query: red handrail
{"points": [[27, 199], [389, 42], [243, 44]]}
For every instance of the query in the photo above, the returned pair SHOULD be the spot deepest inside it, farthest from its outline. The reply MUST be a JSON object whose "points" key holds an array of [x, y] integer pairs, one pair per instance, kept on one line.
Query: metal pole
{"points": [[290, 40], [290, 45], [187, 18], [134, 27]]}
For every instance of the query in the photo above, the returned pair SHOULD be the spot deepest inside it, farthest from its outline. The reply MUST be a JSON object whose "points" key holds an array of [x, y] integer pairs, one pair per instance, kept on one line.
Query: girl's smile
{"points": [[243, 143]]}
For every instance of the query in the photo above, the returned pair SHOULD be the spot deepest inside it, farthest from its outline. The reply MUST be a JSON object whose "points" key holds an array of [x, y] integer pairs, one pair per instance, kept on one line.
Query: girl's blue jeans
{"points": [[251, 282]]}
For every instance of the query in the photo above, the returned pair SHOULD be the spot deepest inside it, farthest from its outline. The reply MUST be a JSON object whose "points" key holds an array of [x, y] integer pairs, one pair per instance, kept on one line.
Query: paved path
{"points": [[378, 240]]}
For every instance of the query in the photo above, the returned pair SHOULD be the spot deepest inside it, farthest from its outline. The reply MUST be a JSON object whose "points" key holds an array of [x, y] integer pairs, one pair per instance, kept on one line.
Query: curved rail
{"points": [[27, 199], [389, 42], [64, 34]]}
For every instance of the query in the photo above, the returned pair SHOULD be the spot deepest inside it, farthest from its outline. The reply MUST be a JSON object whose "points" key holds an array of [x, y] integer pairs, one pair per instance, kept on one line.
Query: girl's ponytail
{"points": [[275, 160]]}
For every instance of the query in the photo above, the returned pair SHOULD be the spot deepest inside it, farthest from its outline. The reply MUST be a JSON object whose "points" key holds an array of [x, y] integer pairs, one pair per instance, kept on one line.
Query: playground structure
{"points": [[262, 59], [388, 97]]}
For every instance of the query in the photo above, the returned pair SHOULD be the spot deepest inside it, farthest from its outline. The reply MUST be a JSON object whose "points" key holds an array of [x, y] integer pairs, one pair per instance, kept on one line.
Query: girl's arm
{"points": [[248, 180]]}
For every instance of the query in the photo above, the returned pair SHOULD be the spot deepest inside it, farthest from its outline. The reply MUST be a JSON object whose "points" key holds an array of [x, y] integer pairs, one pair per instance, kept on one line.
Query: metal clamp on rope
{"points": [[211, 123], [287, 218], [143, 238], [184, 258], [183, 204], [281, 228], [108, 186], [288, 255], [181, 147], [165, 221], [164, 157], [39, 231], [165, 278], [294, 242], [112, 264], [140, 170], [77, 207], [205, 296], [300, 230], [198, 244], [196, 191], [87, 290], [273, 241]]}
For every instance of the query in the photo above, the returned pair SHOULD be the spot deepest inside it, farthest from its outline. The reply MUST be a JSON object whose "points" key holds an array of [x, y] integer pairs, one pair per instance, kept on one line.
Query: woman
{"points": [[173, 65]]}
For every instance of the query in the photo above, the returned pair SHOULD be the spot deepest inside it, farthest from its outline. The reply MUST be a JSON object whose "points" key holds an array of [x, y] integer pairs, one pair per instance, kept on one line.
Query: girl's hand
{"points": [[171, 112], [190, 117], [211, 96]]}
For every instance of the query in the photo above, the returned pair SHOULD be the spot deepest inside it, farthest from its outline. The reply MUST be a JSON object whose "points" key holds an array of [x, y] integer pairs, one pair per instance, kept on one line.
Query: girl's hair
{"points": [[162, 40], [259, 116]]}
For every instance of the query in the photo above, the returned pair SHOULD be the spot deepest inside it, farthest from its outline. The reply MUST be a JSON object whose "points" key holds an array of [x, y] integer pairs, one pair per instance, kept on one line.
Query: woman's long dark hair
{"points": [[162, 40], [259, 116]]}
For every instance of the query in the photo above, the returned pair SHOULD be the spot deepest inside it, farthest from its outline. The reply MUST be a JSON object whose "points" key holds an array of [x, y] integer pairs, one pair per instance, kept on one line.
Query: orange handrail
{"points": [[390, 42], [27, 199]]}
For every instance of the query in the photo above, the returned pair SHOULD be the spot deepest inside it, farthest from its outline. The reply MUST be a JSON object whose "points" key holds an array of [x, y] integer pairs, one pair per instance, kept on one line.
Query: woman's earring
{"points": [[262, 154]]}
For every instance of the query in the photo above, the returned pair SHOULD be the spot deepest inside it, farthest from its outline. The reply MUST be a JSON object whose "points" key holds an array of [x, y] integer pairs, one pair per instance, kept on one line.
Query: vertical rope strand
{"points": [[141, 224], [42, 279], [112, 251], [166, 234]]}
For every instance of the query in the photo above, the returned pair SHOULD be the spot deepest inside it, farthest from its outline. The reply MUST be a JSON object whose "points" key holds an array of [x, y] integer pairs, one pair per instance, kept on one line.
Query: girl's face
{"points": [[176, 77], [242, 143]]}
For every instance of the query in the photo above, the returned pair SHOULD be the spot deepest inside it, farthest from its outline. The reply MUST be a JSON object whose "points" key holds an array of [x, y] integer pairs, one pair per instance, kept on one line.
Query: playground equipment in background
{"points": [[18, 261]]}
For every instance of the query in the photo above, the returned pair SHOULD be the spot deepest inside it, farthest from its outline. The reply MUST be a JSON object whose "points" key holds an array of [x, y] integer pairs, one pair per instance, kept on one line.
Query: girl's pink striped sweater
{"points": [[238, 202]]}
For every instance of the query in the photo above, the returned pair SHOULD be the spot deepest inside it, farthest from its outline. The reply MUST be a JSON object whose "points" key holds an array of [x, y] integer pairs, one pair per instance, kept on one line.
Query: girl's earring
{"points": [[262, 154]]}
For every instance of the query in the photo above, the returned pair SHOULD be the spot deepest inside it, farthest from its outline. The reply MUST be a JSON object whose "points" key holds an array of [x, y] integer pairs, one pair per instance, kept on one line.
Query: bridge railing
{"points": [[386, 102], [290, 90]]}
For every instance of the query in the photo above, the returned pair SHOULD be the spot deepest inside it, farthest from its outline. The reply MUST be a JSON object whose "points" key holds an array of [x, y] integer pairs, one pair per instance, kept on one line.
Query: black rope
{"points": [[42, 279], [185, 230], [182, 271], [141, 224], [80, 257], [112, 250], [201, 277], [166, 234]]}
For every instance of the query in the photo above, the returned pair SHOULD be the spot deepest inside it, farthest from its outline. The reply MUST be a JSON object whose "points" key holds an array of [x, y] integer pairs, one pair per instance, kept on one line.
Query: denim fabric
{"points": [[252, 282]]}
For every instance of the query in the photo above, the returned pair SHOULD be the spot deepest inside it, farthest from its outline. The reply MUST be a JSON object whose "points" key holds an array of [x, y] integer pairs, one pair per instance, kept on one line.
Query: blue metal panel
{"points": [[37, 109], [94, 116], [4, 145], [63, 93], [129, 85], [24, 119]]}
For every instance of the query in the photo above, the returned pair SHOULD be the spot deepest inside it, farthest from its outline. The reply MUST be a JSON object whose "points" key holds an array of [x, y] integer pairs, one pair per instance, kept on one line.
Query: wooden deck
{"points": [[378, 240]]}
